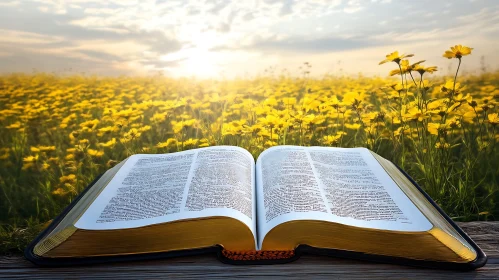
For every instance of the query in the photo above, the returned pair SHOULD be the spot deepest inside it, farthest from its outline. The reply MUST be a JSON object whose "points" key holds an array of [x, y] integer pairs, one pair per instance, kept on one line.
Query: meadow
{"points": [[58, 132]]}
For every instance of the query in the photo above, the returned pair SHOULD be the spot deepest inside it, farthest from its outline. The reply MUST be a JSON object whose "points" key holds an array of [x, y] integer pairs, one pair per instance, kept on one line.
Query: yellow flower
{"points": [[14, 125], [53, 159], [167, 143], [30, 158], [422, 69], [449, 86], [144, 128], [46, 148], [95, 153], [45, 166], [463, 98], [178, 126], [71, 178], [89, 124], [74, 135], [493, 119], [353, 126], [426, 85], [106, 130], [203, 143], [289, 101], [395, 57], [457, 51], [159, 117], [333, 139], [109, 143], [59, 192], [34, 149], [433, 128], [415, 114], [133, 133], [406, 67], [354, 98], [190, 142]]}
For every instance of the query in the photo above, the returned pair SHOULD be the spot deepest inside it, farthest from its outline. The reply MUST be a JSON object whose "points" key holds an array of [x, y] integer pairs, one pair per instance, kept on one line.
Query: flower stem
{"points": [[401, 76], [455, 78], [419, 91]]}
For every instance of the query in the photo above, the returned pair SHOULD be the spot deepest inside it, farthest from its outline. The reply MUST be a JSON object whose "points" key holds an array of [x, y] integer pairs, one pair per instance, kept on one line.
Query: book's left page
{"points": [[152, 189]]}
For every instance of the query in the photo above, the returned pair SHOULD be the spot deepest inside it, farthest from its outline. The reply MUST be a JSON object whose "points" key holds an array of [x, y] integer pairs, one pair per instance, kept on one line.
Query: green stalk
{"points": [[455, 78]]}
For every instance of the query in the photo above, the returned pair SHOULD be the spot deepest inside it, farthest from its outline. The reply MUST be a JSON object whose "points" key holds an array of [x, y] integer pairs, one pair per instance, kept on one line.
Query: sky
{"points": [[223, 38]]}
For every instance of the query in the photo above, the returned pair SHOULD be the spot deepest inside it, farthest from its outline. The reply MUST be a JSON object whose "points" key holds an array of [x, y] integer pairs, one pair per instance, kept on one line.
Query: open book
{"points": [[335, 201]]}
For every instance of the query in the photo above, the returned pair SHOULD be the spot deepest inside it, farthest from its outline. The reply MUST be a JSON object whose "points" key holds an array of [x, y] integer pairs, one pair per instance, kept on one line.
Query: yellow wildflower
{"points": [[46, 148], [167, 143], [14, 125], [30, 158], [422, 69], [89, 124], [71, 178], [415, 114], [45, 166], [95, 153], [333, 139], [457, 51], [144, 128], [406, 67], [395, 57], [203, 143], [190, 142], [109, 143], [353, 126], [493, 119], [106, 130], [59, 192]]}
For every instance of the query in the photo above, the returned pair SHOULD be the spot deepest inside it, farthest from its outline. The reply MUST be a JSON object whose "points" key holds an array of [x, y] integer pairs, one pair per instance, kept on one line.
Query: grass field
{"points": [[57, 133]]}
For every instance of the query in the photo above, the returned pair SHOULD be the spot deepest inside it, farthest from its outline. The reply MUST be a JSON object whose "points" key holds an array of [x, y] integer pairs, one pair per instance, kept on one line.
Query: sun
{"points": [[197, 58], [198, 62], [201, 63]]}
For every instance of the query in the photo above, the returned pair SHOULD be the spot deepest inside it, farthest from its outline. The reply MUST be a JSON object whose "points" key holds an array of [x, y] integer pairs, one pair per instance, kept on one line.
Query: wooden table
{"points": [[485, 234]]}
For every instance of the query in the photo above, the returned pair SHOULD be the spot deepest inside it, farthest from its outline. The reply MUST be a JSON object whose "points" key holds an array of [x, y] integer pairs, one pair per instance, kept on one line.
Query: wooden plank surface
{"points": [[485, 234]]}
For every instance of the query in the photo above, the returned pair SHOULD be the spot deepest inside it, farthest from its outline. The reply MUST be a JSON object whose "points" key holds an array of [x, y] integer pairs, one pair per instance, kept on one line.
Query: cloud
{"points": [[10, 3], [23, 37], [353, 6], [314, 45], [20, 60], [202, 35], [101, 56], [287, 7], [218, 5], [160, 64], [74, 40]]}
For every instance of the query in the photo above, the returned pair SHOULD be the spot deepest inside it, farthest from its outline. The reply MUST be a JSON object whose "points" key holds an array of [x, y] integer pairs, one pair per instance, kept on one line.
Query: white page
{"points": [[343, 183], [153, 189]]}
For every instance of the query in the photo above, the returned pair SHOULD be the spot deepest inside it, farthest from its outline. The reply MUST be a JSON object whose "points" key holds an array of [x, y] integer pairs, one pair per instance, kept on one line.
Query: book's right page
{"points": [[340, 185]]}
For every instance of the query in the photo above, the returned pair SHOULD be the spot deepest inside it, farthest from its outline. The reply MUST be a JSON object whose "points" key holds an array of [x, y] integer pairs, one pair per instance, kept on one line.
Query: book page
{"points": [[152, 189], [346, 186]]}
